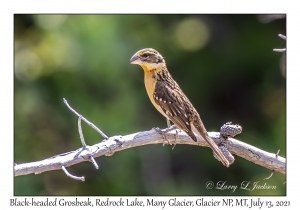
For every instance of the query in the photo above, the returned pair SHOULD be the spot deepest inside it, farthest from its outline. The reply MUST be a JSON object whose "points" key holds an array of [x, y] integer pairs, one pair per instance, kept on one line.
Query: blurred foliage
{"points": [[224, 64]]}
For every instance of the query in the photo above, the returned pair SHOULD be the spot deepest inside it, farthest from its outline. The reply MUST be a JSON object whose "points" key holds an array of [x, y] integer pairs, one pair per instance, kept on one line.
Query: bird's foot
{"points": [[175, 139], [163, 133]]}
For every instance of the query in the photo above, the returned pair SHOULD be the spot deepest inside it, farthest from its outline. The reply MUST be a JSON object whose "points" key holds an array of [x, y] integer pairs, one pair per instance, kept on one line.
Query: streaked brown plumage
{"points": [[167, 97]]}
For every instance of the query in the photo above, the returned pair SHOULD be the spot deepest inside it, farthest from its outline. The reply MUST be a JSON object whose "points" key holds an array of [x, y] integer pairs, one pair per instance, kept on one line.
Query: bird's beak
{"points": [[134, 59]]}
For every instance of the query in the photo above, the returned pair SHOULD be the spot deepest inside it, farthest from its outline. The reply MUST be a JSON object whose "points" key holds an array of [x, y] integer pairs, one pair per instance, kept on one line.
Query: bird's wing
{"points": [[174, 106]]}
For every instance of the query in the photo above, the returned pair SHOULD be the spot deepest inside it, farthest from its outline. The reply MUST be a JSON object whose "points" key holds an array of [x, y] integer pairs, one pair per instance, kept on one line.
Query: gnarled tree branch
{"points": [[119, 143]]}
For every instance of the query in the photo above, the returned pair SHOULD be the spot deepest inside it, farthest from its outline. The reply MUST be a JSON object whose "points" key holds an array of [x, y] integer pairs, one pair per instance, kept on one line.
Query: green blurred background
{"points": [[223, 63]]}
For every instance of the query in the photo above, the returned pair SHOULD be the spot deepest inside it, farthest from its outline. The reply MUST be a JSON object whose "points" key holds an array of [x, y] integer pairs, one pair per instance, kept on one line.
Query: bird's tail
{"points": [[201, 131]]}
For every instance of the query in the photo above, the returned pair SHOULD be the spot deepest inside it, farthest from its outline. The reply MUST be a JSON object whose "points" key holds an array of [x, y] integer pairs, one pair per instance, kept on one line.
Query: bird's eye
{"points": [[146, 55]]}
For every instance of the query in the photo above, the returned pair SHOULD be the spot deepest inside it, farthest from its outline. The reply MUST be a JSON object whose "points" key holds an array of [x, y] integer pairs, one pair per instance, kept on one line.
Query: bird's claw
{"points": [[163, 133]]}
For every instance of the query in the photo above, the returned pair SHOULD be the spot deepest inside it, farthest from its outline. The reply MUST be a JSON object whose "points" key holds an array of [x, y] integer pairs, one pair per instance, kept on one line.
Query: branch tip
{"points": [[85, 120], [270, 175], [282, 36], [94, 162], [277, 153], [72, 176], [80, 131], [279, 50], [283, 49]]}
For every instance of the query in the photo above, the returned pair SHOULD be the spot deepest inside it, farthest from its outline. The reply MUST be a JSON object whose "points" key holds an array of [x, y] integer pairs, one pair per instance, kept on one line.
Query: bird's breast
{"points": [[150, 83]]}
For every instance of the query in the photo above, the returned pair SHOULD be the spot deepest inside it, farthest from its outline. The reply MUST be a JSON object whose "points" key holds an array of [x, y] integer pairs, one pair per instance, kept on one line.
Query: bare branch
{"points": [[276, 155], [269, 176], [83, 142], [80, 131], [282, 36], [283, 49], [94, 162], [72, 176], [85, 120], [118, 143], [279, 50], [171, 135]]}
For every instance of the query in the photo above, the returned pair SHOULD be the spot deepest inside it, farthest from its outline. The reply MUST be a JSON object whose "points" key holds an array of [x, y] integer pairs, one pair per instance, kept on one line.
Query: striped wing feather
{"points": [[174, 107]]}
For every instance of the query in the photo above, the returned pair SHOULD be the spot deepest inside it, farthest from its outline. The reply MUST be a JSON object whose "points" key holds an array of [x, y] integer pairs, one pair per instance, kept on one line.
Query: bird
{"points": [[168, 98]]}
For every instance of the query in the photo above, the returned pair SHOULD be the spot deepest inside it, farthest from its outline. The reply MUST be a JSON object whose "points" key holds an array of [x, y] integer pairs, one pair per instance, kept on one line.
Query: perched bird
{"points": [[167, 97]]}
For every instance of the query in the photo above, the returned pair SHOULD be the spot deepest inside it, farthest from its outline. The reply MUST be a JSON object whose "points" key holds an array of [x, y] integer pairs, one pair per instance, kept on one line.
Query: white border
{"points": [[8, 8]]}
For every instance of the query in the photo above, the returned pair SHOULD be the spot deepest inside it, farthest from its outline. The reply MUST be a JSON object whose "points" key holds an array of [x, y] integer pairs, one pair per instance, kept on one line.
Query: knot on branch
{"points": [[230, 130]]}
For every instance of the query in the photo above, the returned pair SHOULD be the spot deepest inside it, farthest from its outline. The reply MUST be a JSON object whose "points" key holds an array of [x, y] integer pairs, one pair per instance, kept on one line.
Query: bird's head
{"points": [[148, 59]]}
